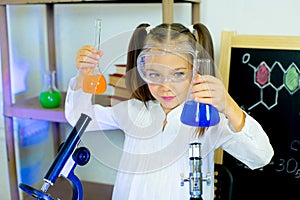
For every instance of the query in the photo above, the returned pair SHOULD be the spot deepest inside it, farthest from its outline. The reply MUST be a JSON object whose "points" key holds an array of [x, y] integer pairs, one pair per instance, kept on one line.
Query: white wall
{"points": [[261, 17], [75, 27]]}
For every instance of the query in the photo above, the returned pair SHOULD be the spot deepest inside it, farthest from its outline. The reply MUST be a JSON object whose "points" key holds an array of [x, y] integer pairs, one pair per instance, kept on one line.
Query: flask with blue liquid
{"points": [[195, 113]]}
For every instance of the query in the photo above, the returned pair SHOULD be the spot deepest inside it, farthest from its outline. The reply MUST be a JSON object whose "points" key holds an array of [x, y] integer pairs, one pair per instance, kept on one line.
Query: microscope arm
{"points": [[64, 164], [65, 152]]}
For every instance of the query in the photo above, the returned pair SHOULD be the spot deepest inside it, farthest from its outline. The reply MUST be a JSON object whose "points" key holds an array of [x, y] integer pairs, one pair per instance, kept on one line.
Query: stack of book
{"points": [[117, 80]]}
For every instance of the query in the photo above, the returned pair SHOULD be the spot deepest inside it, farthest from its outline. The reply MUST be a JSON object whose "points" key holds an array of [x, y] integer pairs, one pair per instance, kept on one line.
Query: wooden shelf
{"points": [[31, 108], [3, 2]]}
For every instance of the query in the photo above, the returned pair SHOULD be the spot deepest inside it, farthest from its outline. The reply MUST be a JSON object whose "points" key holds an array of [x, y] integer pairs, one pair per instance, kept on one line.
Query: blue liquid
{"points": [[198, 114]]}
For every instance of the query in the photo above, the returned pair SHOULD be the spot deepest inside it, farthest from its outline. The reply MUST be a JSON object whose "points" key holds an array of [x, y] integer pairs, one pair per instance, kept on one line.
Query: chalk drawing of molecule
{"points": [[262, 78]]}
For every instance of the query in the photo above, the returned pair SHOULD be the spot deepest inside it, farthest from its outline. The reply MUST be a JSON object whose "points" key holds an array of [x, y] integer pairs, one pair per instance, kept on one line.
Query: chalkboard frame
{"points": [[230, 40]]}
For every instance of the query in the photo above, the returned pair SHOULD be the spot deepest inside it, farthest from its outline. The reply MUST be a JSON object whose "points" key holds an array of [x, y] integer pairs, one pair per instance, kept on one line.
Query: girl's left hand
{"points": [[210, 90]]}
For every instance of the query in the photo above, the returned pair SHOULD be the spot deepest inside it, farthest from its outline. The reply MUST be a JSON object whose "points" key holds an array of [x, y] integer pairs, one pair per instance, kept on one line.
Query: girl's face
{"points": [[176, 71]]}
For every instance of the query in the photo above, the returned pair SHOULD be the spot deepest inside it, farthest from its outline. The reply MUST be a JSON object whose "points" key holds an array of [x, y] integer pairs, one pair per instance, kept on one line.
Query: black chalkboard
{"points": [[265, 82]]}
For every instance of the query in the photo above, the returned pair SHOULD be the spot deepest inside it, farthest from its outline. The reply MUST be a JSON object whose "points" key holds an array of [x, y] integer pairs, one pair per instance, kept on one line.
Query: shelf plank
{"points": [[32, 109], [8, 2]]}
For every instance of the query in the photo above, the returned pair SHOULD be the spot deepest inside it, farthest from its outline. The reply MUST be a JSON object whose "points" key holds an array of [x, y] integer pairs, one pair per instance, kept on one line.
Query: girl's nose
{"points": [[166, 86]]}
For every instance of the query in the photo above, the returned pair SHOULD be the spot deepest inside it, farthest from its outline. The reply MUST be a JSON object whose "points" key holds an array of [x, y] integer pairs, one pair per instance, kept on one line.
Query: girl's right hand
{"points": [[86, 59]]}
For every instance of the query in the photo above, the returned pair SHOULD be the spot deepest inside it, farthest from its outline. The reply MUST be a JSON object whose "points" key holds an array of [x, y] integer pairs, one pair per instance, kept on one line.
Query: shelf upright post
{"points": [[7, 103], [51, 35], [52, 64], [167, 11], [196, 12]]}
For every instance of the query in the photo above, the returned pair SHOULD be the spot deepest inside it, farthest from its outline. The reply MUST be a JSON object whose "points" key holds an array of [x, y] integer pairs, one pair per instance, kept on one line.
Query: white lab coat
{"points": [[154, 157]]}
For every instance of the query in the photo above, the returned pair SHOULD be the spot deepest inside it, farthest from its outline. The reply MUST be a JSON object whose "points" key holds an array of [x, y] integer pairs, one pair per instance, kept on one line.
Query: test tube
{"points": [[95, 83]]}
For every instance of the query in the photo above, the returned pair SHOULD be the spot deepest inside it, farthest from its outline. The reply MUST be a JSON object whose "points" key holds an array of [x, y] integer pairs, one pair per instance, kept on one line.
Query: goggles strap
{"points": [[191, 28], [148, 29]]}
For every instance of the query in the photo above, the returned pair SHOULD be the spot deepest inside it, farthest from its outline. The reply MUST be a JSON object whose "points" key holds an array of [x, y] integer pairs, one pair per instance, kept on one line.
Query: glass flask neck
{"points": [[50, 81]]}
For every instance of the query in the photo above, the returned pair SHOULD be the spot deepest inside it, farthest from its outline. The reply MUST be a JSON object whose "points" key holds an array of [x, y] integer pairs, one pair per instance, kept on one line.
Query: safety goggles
{"points": [[155, 67]]}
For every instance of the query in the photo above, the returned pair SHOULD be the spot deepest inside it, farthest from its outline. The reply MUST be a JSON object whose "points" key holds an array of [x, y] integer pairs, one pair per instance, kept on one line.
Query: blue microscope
{"points": [[68, 157]]}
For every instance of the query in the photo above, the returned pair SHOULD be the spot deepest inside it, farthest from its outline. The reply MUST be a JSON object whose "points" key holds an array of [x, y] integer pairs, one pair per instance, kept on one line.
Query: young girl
{"points": [[159, 74]]}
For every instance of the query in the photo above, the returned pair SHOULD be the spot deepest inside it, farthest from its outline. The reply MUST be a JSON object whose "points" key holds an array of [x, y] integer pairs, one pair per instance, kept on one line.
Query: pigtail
{"points": [[134, 83], [204, 39], [205, 44]]}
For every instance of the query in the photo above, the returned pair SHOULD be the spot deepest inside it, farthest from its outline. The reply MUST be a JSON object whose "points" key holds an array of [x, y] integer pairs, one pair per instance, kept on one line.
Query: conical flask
{"points": [[195, 113], [95, 82]]}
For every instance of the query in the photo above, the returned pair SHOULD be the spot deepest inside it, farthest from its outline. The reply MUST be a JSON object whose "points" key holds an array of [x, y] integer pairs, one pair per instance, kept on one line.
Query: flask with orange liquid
{"points": [[95, 82]]}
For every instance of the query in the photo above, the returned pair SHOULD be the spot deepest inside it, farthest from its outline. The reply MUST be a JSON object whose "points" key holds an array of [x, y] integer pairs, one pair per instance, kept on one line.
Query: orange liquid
{"points": [[94, 84]]}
